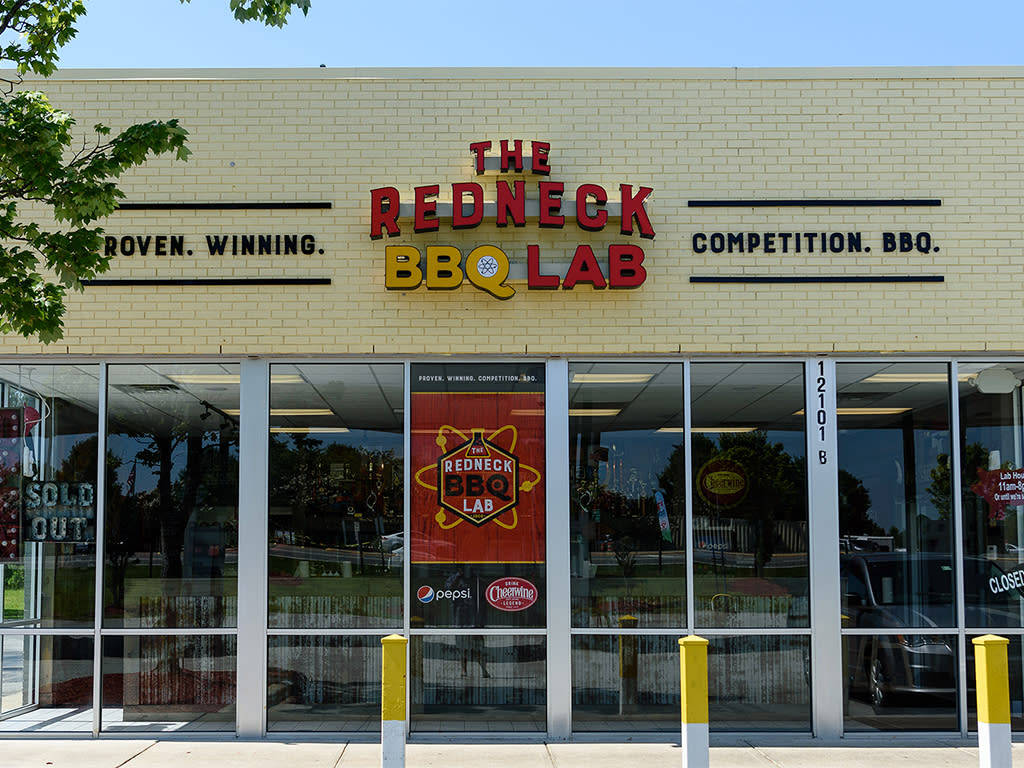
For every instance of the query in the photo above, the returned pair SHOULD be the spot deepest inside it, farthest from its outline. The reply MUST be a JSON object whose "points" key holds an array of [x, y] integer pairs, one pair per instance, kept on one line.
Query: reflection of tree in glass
{"points": [[323, 485], [940, 490], [775, 484], [854, 504]]}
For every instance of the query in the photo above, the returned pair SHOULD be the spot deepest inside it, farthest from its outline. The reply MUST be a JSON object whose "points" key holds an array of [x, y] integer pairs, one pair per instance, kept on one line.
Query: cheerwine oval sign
{"points": [[722, 483], [511, 594], [434, 208]]}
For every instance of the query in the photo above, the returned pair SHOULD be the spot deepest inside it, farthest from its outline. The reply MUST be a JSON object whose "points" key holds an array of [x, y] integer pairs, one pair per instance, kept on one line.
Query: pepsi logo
{"points": [[425, 594]]}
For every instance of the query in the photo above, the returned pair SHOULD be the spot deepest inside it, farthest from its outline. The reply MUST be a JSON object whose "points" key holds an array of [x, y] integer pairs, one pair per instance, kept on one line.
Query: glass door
{"points": [[476, 547]]}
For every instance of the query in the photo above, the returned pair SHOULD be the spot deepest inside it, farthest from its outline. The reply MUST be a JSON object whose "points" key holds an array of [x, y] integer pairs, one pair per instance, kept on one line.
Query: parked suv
{"points": [[901, 596]]}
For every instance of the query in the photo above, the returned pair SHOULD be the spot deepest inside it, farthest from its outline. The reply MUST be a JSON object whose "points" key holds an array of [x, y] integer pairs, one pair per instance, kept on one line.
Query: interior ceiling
{"points": [[158, 399], [739, 394]]}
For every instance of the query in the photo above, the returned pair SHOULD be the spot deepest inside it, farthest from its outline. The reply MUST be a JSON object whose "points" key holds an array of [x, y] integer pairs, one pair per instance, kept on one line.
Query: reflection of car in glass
{"points": [[392, 541], [896, 593]]}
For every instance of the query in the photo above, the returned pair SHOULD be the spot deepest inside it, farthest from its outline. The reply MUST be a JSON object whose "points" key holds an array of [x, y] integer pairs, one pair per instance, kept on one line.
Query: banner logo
{"points": [[511, 594], [722, 483], [425, 594], [479, 479]]}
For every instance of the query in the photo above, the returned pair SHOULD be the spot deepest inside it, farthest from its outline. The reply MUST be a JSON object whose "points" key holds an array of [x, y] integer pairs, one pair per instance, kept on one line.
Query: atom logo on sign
{"points": [[479, 479]]}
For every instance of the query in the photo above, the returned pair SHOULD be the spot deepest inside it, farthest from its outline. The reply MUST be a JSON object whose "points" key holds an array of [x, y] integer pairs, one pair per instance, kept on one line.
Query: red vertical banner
{"points": [[477, 458]]}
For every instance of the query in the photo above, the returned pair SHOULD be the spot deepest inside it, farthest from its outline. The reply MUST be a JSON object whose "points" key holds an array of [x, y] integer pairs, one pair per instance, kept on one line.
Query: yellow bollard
{"points": [[392, 702], [992, 680], [693, 682]]}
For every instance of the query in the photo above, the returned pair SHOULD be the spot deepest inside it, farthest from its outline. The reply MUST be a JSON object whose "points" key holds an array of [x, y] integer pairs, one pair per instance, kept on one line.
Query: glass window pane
{"points": [[750, 495], [759, 683], [895, 502], [171, 537], [324, 684], [169, 683], [631, 683], [477, 683], [336, 496], [625, 683], [992, 488], [900, 683], [48, 434], [46, 684], [628, 496]]}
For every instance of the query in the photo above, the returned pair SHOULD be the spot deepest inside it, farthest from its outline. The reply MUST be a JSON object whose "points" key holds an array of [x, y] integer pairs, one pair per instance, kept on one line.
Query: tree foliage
{"points": [[68, 181], [273, 13]]}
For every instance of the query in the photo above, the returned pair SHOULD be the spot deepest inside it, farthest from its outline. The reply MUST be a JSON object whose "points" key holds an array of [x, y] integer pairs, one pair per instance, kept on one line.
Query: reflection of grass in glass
{"points": [[14, 604]]}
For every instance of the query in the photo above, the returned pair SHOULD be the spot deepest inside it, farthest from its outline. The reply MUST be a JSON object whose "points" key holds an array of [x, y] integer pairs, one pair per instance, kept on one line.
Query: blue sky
{"points": [[711, 33]]}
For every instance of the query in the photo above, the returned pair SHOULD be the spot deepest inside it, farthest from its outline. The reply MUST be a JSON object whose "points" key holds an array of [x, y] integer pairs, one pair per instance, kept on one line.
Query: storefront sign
{"points": [[1006, 582], [1001, 488], [59, 512], [487, 266], [477, 448], [511, 594], [722, 483]]}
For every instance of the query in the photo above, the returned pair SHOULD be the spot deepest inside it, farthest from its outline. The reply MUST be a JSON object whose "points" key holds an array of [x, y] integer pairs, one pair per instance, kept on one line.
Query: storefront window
{"points": [[627, 495], [477, 683], [895, 498], [172, 496], [168, 682], [904, 682], [323, 683], [631, 683], [46, 685], [750, 498], [896, 545], [48, 437], [336, 504], [992, 487]]}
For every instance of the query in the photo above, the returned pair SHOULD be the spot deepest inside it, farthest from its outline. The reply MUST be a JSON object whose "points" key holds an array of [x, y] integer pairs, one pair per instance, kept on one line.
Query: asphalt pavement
{"points": [[138, 753]]}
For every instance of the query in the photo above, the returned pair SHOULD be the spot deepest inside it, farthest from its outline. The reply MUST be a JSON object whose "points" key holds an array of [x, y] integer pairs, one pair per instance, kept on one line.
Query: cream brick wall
{"points": [[325, 135]]}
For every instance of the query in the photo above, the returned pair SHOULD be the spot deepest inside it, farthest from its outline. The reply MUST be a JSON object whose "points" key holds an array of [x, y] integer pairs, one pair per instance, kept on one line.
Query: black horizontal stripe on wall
{"points": [[817, 279], [224, 206], [817, 203], [211, 281]]}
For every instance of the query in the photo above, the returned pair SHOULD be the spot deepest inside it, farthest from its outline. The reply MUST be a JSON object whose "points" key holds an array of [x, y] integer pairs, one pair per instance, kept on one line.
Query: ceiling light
{"points": [[611, 378], [723, 430], [289, 412], [229, 378], [867, 411], [309, 430], [595, 411], [914, 378]]}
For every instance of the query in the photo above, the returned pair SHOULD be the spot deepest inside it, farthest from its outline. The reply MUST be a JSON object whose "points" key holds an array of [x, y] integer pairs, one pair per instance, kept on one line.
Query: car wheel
{"points": [[877, 684]]}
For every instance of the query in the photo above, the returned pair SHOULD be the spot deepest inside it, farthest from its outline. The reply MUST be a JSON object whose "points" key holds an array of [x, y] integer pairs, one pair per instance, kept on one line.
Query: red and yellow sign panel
{"points": [[477, 457]]}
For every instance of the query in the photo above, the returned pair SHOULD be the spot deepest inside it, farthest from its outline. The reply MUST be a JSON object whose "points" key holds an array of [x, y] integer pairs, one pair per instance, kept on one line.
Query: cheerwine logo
{"points": [[511, 594], [722, 482], [488, 266]]}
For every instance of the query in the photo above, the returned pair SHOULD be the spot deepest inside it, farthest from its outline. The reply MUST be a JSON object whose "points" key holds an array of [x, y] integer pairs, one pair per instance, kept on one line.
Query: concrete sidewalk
{"points": [[111, 753]]}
